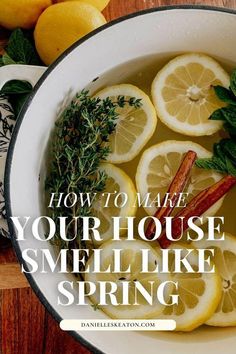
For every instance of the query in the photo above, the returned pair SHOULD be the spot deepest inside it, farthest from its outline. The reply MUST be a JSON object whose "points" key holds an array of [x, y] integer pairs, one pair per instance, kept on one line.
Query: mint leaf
{"points": [[218, 152], [13, 87], [229, 114], [233, 82], [230, 129], [17, 92], [217, 115], [7, 60], [224, 158], [228, 146], [231, 169], [17, 102], [225, 95], [213, 163], [20, 49]]}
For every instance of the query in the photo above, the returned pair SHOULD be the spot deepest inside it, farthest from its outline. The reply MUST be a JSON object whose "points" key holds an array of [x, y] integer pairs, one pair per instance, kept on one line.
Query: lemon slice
{"points": [[159, 164], [135, 126], [199, 294], [131, 256], [225, 261], [183, 94], [118, 181]]}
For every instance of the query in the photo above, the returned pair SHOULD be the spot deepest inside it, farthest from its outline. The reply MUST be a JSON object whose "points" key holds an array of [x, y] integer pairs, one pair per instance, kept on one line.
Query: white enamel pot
{"points": [[152, 32]]}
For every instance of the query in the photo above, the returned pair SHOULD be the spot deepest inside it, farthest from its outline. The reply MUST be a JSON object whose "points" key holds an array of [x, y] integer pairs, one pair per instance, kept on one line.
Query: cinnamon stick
{"points": [[177, 186], [198, 206]]}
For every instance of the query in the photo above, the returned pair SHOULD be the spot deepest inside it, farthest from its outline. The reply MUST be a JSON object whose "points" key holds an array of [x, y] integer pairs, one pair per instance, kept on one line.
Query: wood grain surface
{"points": [[25, 325]]}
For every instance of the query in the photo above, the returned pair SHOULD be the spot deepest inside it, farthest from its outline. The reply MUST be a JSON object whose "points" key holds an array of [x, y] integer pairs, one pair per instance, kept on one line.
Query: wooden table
{"points": [[25, 326]]}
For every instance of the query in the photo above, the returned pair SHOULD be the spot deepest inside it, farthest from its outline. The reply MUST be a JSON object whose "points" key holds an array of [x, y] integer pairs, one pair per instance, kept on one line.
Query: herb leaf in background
{"points": [[16, 86], [233, 82], [6, 60], [20, 50], [79, 145], [17, 92], [224, 155], [225, 95]]}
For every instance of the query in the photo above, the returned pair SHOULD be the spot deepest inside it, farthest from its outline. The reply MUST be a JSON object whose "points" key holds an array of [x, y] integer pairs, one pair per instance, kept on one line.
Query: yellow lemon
{"points": [[63, 24], [183, 94], [131, 256], [199, 294], [159, 164], [225, 261], [21, 13], [117, 182], [99, 4], [134, 127]]}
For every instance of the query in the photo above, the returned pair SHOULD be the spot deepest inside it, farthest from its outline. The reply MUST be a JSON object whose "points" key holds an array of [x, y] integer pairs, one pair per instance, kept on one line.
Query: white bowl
{"points": [[152, 32]]}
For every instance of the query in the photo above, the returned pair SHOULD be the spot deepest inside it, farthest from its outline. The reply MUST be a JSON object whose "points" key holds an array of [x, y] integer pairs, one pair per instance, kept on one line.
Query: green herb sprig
{"points": [[17, 92], [224, 151], [20, 50], [79, 145]]}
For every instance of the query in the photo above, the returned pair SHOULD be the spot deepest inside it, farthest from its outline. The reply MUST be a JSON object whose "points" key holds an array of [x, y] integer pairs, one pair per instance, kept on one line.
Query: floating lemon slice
{"points": [[131, 256], [135, 126], [225, 261], [159, 164], [199, 295], [118, 182], [183, 94]]}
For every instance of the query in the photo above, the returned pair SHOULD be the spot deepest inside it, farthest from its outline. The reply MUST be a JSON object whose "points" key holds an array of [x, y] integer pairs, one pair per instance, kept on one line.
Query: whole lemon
{"points": [[61, 25], [21, 13], [99, 4]]}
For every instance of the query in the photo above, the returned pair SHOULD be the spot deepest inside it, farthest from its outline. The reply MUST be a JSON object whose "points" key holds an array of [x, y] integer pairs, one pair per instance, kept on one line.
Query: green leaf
{"points": [[218, 152], [17, 102], [20, 49], [229, 114], [7, 60], [224, 159], [233, 82], [213, 163], [230, 129], [18, 92], [228, 146], [13, 87], [225, 95], [217, 115], [231, 168], [225, 114]]}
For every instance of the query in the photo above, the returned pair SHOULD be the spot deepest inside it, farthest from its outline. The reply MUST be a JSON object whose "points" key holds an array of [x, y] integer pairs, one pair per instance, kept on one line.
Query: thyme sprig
{"points": [[79, 145]]}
